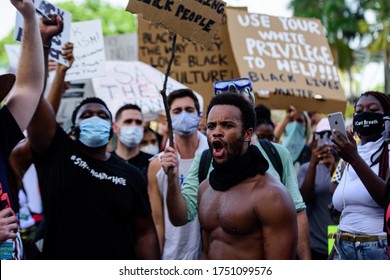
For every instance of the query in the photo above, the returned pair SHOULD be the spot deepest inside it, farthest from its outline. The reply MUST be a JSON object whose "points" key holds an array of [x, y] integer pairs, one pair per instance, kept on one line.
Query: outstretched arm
{"points": [[24, 96], [20, 158], [43, 125], [57, 87]]}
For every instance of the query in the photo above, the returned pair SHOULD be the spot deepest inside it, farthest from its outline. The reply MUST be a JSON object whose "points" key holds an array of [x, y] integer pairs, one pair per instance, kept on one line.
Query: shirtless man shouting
{"points": [[244, 211]]}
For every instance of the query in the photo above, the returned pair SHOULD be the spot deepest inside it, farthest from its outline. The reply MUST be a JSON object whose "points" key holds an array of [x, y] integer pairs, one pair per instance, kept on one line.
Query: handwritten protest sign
{"points": [[88, 43], [195, 20], [194, 66], [288, 61], [137, 83], [121, 47], [57, 41]]}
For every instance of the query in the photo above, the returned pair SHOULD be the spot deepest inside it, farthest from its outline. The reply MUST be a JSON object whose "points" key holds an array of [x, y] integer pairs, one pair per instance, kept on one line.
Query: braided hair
{"points": [[383, 158]]}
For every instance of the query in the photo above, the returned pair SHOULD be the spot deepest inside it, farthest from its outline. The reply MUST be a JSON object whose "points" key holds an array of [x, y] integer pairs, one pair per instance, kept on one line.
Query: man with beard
{"points": [[244, 212], [182, 200]]}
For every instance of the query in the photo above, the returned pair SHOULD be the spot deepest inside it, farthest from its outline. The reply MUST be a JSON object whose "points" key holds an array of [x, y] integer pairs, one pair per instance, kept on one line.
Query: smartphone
{"points": [[322, 139], [336, 122]]}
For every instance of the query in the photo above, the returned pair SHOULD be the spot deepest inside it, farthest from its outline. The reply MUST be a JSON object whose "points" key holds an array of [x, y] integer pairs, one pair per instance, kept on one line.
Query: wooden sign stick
{"points": [[164, 94]]}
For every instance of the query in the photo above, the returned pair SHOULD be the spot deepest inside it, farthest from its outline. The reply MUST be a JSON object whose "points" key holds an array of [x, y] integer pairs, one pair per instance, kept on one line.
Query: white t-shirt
{"points": [[184, 242], [360, 213]]}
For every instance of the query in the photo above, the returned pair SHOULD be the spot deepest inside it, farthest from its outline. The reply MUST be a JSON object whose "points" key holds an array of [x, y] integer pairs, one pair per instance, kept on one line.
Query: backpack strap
{"points": [[204, 165], [273, 155]]}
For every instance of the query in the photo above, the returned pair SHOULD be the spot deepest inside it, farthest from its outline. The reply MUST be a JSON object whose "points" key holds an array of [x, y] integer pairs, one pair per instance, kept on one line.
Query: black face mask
{"points": [[368, 123]]}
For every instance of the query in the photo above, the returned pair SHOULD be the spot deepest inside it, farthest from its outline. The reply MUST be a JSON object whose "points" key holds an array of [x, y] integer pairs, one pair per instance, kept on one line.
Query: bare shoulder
{"points": [[154, 165], [203, 186], [269, 194], [267, 182]]}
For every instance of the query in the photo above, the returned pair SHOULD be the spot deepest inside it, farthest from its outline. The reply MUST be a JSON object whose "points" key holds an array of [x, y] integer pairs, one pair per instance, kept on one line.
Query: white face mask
{"points": [[150, 149], [131, 135], [185, 123]]}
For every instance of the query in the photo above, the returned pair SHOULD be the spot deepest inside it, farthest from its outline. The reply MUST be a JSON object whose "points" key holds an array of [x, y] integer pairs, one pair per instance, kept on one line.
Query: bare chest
{"points": [[233, 211]]}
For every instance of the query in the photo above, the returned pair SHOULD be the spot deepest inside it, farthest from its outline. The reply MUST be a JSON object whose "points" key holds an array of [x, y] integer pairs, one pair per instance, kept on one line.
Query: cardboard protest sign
{"points": [[121, 47], [195, 20], [194, 66], [288, 61], [57, 41], [88, 50], [137, 83]]}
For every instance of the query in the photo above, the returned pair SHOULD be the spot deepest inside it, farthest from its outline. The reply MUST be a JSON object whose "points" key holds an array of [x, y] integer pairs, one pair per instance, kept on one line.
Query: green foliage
{"points": [[363, 26], [343, 55], [346, 25], [349, 111], [379, 30], [379, 87], [115, 20], [3, 56], [339, 21]]}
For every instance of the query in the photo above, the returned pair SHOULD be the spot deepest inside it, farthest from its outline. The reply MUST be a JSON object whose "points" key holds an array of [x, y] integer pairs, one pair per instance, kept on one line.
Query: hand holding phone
{"points": [[336, 122]]}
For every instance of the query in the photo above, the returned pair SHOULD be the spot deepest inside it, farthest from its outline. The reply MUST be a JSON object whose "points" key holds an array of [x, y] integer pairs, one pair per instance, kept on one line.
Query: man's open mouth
{"points": [[218, 148]]}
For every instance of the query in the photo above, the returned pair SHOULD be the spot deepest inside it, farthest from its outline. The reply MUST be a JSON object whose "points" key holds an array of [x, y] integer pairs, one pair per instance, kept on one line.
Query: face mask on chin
{"points": [[185, 123], [368, 123], [131, 135], [94, 132]]}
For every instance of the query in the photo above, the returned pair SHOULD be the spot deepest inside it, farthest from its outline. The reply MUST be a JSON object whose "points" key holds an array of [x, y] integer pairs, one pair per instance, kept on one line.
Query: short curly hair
{"points": [[247, 111]]}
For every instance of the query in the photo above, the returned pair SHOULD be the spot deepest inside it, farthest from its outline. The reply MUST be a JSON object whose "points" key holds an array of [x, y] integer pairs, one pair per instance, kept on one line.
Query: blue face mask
{"points": [[185, 123], [131, 135], [294, 140], [94, 132]]}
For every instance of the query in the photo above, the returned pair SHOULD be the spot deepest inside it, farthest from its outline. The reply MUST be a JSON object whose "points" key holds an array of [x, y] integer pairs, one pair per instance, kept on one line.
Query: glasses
{"points": [[240, 86]]}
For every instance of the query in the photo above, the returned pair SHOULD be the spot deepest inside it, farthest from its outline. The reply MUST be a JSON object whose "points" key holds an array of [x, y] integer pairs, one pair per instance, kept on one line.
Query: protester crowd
{"points": [[248, 187]]}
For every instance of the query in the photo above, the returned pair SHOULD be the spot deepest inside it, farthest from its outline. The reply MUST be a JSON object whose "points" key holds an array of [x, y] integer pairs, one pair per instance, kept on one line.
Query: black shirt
{"points": [[89, 205], [10, 135], [140, 161]]}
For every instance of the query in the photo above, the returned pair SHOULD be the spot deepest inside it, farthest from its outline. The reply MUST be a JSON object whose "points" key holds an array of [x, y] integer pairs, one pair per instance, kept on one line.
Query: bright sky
{"points": [[278, 8]]}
